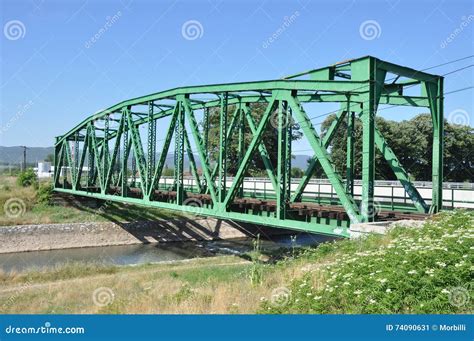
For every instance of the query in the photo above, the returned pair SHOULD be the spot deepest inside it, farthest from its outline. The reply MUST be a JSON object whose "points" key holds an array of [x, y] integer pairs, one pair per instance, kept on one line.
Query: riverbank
{"points": [[23, 238], [422, 270]]}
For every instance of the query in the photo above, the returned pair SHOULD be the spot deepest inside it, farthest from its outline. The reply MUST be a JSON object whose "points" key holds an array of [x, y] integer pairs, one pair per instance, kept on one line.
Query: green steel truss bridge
{"points": [[115, 155]]}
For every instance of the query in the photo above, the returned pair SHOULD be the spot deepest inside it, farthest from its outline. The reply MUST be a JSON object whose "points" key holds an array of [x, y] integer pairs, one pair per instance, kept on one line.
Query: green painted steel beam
{"points": [[300, 85], [81, 162], [257, 138], [137, 147], [416, 101], [336, 231], [115, 152], [404, 71], [357, 84], [261, 148], [57, 162], [70, 163], [96, 154], [314, 160], [223, 142], [350, 151], [368, 69], [192, 161], [164, 153], [399, 172], [203, 155], [283, 190], [230, 130], [179, 152], [347, 201], [434, 91], [241, 145]]}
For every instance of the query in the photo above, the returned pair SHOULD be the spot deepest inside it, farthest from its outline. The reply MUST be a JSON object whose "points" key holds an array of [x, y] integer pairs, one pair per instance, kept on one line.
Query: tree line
{"points": [[411, 141]]}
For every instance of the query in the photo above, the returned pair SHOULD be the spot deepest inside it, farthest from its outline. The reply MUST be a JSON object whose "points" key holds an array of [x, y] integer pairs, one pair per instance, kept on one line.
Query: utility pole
{"points": [[23, 168]]}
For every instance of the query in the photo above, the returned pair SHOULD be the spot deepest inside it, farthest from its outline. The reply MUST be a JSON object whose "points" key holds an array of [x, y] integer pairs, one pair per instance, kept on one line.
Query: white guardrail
{"points": [[455, 194]]}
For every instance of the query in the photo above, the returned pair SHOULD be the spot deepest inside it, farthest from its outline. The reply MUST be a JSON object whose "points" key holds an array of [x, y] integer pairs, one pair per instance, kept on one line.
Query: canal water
{"points": [[150, 253]]}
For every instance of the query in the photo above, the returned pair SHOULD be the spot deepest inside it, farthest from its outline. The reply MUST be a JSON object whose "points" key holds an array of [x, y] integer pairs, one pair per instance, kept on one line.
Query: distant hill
{"points": [[300, 161], [14, 155]]}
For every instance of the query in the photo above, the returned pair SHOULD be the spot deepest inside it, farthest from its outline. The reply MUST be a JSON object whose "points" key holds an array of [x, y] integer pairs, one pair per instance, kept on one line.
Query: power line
{"points": [[409, 86], [447, 63], [458, 90]]}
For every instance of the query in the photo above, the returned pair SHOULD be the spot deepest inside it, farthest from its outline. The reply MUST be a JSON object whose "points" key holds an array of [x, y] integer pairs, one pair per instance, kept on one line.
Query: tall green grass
{"points": [[424, 270]]}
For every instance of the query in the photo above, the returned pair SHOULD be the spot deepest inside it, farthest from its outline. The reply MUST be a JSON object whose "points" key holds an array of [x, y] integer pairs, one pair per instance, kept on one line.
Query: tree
{"points": [[411, 141], [270, 139], [49, 158], [27, 178], [459, 153], [296, 172]]}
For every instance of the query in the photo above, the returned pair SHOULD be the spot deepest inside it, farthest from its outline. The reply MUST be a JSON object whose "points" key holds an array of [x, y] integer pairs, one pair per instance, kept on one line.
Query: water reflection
{"points": [[150, 253]]}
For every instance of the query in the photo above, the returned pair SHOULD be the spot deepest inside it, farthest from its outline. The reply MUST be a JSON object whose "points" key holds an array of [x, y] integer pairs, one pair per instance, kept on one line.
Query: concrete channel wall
{"points": [[382, 227], [72, 235]]}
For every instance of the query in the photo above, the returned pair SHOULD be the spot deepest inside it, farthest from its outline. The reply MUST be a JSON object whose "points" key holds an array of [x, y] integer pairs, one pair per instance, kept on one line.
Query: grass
{"points": [[409, 270], [425, 270], [196, 286], [33, 212]]}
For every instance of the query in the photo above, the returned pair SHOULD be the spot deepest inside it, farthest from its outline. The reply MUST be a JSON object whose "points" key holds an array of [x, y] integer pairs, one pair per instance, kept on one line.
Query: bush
{"points": [[297, 172], [44, 194], [27, 178], [422, 270]]}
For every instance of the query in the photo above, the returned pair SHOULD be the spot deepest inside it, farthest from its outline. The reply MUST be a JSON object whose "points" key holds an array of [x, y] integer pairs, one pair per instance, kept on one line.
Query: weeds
{"points": [[256, 271], [411, 270]]}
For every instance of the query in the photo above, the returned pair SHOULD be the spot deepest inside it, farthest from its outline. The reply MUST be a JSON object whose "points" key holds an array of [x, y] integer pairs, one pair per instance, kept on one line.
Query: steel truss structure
{"points": [[105, 156]]}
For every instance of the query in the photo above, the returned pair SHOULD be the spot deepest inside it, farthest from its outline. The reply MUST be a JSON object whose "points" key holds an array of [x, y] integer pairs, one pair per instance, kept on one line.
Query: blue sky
{"points": [[53, 75]]}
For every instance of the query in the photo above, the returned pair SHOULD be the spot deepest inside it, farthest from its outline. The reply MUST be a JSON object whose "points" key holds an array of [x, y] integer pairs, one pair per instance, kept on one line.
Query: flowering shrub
{"points": [[421, 270]]}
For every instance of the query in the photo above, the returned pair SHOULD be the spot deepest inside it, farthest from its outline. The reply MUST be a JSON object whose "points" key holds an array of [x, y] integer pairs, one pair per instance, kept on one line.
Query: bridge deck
{"points": [[255, 205]]}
